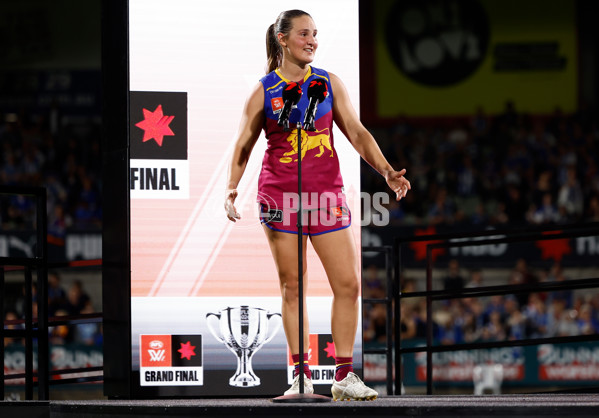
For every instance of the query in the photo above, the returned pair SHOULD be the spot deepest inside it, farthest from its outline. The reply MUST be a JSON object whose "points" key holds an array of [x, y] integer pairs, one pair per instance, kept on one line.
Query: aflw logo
{"points": [[156, 355], [156, 351]]}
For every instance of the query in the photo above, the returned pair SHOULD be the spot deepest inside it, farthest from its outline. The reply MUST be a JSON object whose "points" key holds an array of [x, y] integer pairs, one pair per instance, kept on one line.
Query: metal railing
{"points": [[392, 289], [440, 241], [36, 328], [39, 330]]}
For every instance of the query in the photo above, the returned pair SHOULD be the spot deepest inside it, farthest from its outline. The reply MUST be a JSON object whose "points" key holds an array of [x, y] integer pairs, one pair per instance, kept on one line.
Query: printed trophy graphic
{"points": [[243, 330]]}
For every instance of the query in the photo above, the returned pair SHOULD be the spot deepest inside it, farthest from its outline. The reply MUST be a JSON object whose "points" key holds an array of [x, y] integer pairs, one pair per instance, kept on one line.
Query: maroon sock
{"points": [[344, 365], [296, 362]]}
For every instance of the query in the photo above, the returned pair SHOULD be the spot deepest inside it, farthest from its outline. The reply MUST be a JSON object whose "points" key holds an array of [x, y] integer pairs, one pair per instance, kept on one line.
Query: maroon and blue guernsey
{"points": [[320, 166]]}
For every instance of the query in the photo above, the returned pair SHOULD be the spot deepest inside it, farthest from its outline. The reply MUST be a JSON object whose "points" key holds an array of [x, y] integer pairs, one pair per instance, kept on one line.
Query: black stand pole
{"points": [[301, 397]]}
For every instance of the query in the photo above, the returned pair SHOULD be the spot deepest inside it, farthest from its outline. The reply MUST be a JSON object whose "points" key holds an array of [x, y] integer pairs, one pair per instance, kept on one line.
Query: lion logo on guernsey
{"points": [[309, 142]]}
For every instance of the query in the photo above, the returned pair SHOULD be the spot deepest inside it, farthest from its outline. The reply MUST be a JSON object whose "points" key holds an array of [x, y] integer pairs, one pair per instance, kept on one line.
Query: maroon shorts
{"points": [[314, 221]]}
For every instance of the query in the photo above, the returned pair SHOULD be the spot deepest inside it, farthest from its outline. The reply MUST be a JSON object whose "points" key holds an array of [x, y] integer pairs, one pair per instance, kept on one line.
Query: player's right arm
{"points": [[252, 121]]}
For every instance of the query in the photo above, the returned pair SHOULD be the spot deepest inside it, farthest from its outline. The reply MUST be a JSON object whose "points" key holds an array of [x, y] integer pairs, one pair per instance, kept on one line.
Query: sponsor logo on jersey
{"points": [[277, 104]]}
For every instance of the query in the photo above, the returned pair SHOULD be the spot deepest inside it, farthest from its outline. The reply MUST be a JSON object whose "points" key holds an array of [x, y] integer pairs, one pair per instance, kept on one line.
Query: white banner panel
{"points": [[192, 66]]}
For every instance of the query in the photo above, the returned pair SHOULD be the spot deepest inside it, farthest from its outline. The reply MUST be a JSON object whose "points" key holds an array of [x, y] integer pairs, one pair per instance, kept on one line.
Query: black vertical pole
{"points": [[43, 348], [2, 330], [302, 397], [389, 325], [28, 335], [429, 322], [300, 258], [397, 297]]}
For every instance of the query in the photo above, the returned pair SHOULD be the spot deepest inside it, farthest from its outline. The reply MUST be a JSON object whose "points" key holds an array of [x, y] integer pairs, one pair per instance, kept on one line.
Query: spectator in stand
{"points": [[78, 299], [9, 172], [522, 275], [516, 205], [87, 334], [509, 117], [472, 332], [586, 323], [546, 212], [376, 329], [476, 278], [593, 210], [535, 312], [57, 297], [560, 321], [20, 300], [495, 304], [454, 279], [480, 217], [57, 223], [467, 178], [543, 186], [570, 199], [479, 124], [60, 334], [495, 328], [420, 315], [443, 210], [515, 322], [12, 316], [591, 178], [408, 323], [557, 275]]}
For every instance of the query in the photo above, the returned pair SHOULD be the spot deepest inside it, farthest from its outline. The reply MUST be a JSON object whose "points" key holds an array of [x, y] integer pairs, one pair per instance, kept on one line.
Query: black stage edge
{"points": [[546, 405]]}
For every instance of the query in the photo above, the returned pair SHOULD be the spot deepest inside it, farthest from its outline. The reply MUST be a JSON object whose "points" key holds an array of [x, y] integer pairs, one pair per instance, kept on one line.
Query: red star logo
{"points": [[187, 350], [554, 248], [330, 350], [155, 125], [419, 247]]}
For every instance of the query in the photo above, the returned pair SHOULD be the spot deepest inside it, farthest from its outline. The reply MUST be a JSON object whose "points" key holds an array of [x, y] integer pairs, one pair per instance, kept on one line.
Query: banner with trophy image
{"points": [[321, 360], [205, 295]]}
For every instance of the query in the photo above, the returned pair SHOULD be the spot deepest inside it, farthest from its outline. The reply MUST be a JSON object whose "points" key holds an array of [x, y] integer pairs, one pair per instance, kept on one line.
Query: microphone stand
{"points": [[301, 396]]}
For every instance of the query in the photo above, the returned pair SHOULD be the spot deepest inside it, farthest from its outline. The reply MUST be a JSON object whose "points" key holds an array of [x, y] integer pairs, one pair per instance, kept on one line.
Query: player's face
{"points": [[301, 42]]}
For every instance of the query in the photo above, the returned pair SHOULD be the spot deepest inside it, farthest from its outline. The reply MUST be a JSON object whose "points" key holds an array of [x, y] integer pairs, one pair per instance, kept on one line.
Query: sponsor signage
{"points": [[569, 362], [569, 251], [159, 168], [171, 360], [68, 356], [543, 365], [456, 366], [447, 58], [321, 359]]}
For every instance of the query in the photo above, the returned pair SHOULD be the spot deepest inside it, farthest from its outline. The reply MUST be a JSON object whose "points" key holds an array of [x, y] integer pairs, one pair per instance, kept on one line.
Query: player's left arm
{"points": [[349, 123]]}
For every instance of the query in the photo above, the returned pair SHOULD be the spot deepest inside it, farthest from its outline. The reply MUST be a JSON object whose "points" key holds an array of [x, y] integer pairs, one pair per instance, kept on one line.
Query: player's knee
{"points": [[289, 286], [348, 290]]}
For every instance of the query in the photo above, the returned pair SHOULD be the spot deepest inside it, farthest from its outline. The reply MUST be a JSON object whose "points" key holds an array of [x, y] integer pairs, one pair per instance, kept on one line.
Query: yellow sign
{"points": [[448, 58]]}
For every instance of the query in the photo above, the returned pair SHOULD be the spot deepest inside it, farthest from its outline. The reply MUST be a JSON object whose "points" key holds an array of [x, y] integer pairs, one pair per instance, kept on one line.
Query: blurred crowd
{"points": [[42, 150], [61, 303], [510, 168], [492, 318]]}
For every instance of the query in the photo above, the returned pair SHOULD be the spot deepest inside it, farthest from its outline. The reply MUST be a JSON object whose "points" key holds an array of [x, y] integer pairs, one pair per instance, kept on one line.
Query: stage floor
{"points": [[546, 405]]}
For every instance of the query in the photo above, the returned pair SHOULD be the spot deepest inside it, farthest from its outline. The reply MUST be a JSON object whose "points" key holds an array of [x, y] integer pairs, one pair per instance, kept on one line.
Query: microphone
{"points": [[292, 93], [317, 91]]}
